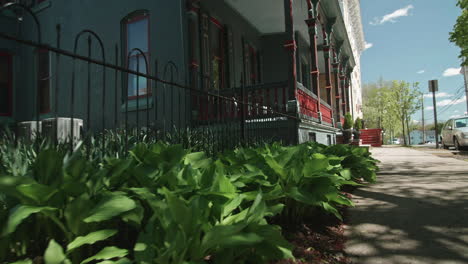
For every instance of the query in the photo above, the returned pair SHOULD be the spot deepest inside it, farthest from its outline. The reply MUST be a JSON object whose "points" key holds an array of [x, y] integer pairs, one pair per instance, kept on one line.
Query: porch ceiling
{"points": [[267, 16]]}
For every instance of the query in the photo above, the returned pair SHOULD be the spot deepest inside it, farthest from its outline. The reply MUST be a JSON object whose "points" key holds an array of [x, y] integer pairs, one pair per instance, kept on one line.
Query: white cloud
{"points": [[402, 12], [451, 72], [451, 102], [429, 108], [421, 72], [455, 116], [368, 45], [438, 95]]}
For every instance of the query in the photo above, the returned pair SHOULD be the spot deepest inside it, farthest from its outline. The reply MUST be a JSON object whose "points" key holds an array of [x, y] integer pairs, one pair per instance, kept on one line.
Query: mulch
{"points": [[321, 240]]}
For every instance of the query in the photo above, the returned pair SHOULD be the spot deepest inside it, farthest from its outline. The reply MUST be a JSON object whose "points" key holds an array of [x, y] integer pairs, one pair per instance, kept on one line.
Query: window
{"points": [[253, 65], [6, 95], [217, 54], [43, 77], [136, 29], [312, 137], [461, 122]]}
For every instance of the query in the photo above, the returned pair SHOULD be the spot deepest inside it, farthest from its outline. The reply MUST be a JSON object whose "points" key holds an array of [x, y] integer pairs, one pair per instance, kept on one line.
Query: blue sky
{"points": [[408, 40]]}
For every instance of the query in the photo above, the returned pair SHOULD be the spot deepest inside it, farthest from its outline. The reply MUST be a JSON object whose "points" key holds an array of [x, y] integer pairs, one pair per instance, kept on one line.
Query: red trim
{"points": [[290, 45], [9, 82], [217, 23], [194, 64]]}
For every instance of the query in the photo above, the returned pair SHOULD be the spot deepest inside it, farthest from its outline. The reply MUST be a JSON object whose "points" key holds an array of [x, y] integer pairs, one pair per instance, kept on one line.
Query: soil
{"points": [[320, 241]]}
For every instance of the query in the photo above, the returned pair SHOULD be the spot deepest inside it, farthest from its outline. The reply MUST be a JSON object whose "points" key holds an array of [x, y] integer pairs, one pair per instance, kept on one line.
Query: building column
{"points": [[314, 69], [327, 32], [350, 89], [344, 94], [291, 47], [336, 66]]}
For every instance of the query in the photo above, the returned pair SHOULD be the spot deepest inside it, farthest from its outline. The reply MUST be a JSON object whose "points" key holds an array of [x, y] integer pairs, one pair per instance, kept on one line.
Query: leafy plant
{"points": [[358, 124], [164, 203], [348, 123]]}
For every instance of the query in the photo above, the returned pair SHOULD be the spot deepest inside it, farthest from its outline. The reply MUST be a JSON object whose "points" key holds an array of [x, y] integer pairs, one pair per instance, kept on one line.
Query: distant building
{"points": [[417, 136]]}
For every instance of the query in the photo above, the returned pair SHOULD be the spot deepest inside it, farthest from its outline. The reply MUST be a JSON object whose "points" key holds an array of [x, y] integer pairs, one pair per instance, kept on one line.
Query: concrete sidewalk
{"points": [[416, 213]]}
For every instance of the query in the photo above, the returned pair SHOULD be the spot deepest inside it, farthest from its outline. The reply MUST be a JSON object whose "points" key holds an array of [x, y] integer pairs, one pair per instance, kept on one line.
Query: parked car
{"points": [[455, 133], [396, 141]]}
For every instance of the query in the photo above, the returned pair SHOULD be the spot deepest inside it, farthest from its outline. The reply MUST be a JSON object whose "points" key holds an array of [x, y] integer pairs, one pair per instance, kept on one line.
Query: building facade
{"points": [[417, 136], [281, 59]]}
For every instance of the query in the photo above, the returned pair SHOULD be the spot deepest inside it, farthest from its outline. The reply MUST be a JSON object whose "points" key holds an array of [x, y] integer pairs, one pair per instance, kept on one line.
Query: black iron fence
{"points": [[169, 107]]}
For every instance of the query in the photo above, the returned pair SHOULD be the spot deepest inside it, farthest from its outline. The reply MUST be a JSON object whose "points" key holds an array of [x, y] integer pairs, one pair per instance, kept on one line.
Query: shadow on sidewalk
{"points": [[412, 216]]}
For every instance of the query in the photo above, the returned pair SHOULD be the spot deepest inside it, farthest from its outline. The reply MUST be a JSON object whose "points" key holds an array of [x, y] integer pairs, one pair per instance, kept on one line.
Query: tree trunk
{"points": [[408, 130], [403, 129]]}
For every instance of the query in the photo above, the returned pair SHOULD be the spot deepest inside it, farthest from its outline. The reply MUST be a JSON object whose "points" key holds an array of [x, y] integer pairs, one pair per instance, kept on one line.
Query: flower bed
{"points": [[166, 204]]}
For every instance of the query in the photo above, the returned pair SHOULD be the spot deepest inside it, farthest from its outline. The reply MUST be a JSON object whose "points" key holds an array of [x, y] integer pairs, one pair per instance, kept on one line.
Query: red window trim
{"points": [[126, 22], [9, 82], [39, 80]]}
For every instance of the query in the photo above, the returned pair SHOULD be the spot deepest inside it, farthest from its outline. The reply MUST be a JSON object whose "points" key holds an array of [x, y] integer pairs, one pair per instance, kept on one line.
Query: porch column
{"points": [[314, 69], [327, 32], [291, 47], [351, 101], [348, 93], [336, 66], [344, 93]]}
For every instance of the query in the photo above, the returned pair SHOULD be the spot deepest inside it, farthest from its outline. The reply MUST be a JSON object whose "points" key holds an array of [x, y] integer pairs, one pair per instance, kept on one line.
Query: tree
{"points": [[459, 35], [406, 102], [389, 105]]}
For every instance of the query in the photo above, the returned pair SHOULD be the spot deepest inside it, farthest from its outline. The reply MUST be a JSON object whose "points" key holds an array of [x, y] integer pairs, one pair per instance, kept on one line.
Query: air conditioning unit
{"points": [[28, 130], [61, 128]]}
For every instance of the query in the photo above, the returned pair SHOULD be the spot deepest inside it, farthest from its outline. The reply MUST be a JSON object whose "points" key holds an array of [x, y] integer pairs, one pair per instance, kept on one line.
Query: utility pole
{"points": [[423, 127], [434, 87], [465, 75]]}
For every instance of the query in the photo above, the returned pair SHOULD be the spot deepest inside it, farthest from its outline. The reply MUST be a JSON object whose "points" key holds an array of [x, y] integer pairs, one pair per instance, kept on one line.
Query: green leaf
{"points": [[19, 213], [276, 167], [107, 253], [54, 254], [38, 192], [48, 168], [76, 211], [24, 261], [120, 261], [109, 207], [228, 236], [91, 238], [317, 164]]}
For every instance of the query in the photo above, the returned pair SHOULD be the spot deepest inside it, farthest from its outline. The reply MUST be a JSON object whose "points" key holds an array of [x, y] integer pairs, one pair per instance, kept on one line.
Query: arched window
{"points": [[136, 28]]}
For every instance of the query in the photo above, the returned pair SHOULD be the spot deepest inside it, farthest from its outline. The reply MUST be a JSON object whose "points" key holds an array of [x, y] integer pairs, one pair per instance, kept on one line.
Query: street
{"points": [[417, 212]]}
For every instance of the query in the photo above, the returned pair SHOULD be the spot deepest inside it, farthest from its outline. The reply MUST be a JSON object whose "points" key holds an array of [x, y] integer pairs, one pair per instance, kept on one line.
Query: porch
{"points": [[281, 57]]}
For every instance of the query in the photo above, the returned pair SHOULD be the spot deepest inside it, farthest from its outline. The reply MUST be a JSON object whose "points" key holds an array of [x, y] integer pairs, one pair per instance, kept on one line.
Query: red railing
{"points": [[327, 113], [371, 137], [307, 104]]}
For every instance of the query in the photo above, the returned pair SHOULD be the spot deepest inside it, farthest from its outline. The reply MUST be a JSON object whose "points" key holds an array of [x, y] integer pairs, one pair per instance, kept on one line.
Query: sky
{"points": [[408, 40]]}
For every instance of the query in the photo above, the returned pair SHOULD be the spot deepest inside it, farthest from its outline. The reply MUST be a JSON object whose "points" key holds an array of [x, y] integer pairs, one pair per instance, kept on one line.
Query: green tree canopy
{"points": [[459, 35]]}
